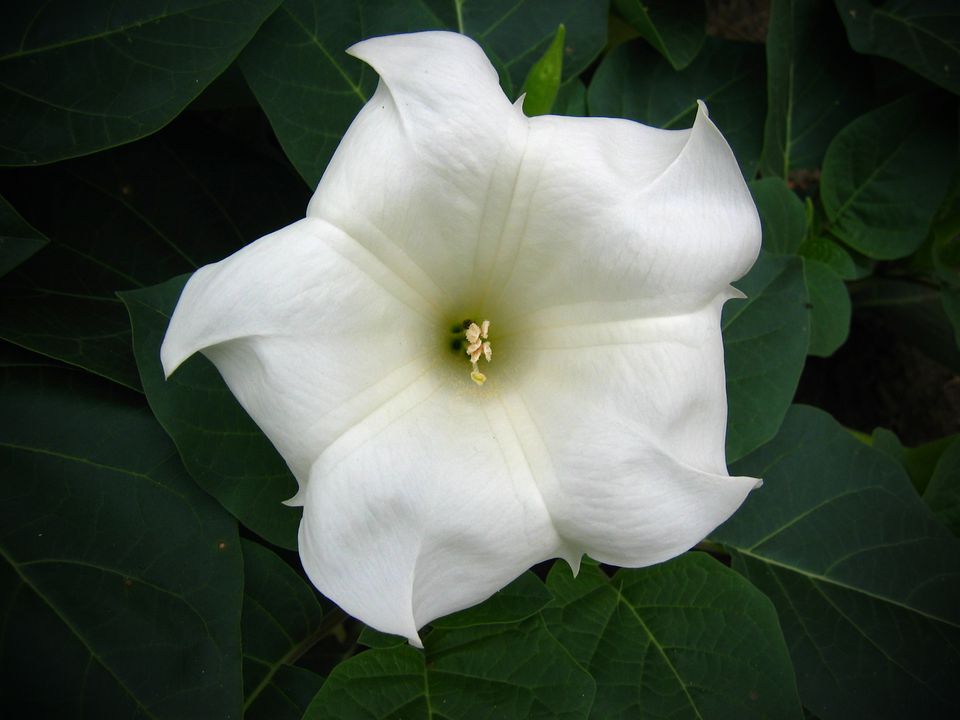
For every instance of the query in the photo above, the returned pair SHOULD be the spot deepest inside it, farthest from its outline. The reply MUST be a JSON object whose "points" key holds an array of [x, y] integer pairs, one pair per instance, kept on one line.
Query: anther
{"points": [[478, 344]]}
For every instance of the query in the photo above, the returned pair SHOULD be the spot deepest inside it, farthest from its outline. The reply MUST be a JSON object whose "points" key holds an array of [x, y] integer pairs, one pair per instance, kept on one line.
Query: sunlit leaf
{"points": [[543, 80]]}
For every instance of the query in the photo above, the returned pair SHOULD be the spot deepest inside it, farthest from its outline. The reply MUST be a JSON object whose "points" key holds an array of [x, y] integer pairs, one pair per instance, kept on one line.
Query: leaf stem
{"points": [[329, 622]]}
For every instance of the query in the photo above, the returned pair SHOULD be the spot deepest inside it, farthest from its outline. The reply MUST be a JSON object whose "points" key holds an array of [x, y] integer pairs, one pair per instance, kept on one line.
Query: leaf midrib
{"points": [[656, 643], [120, 29], [76, 633], [840, 211], [845, 586]]}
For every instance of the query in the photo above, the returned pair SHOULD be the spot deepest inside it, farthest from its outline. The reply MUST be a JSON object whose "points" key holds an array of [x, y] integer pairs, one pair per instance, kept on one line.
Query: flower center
{"points": [[478, 344]]}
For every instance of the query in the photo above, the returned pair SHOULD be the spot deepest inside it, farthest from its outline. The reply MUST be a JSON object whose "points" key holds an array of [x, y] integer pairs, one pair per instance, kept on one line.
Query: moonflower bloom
{"points": [[493, 340]]}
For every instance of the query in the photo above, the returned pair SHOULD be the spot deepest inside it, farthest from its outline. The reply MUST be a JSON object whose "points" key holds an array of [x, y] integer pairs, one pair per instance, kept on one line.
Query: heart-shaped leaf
{"points": [[121, 579], [688, 638], [885, 174], [76, 78], [866, 581]]}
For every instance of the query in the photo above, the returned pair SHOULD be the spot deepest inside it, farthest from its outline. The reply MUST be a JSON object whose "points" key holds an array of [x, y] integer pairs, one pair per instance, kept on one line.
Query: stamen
{"points": [[478, 345]]}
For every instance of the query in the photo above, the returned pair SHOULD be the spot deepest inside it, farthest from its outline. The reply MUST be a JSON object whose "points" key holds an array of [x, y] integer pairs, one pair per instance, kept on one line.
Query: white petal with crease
{"points": [[309, 331], [623, 221], [425, 175], [424, 509], [600, 251], [632, 415]]}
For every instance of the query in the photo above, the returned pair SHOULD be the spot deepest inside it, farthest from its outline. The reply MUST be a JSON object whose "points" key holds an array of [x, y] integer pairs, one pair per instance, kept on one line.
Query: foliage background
{"points": [[148, 567]]}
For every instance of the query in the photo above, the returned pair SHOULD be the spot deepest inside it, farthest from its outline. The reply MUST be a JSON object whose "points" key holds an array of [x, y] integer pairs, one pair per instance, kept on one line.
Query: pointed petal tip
{"points": [[758, 484], [573, 560], [365, 50], [415, 641], [298, 498], [733, 293], [171, 357], [518, 104]]}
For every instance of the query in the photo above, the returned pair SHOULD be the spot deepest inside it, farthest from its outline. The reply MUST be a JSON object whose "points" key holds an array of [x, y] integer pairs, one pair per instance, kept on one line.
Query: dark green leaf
{"points": [[281, 621], [943, 491], [571, 99], [866, 581], [375, 639], [782, 215], [884, 176], [923, 35], [78, 78], [543, 80], [765, 341], [12, 356], [950, 297], [121, 580], [826, 251], [515, 33], [503, 671], [221, 446], [919, 462], [517, 601], [913, 312], [814, 83], [688, 638], [676, 30], [130, 218], [18, 239], [634, 83], [311, 89], [829, 308]]}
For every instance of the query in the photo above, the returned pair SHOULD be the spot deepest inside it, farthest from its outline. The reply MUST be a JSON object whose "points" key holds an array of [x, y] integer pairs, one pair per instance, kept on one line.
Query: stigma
{"points": [[478, 344]]}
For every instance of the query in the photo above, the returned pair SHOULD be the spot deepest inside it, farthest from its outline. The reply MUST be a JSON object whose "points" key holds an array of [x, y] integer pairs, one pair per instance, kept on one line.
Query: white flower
{"points": [[599, 253]]}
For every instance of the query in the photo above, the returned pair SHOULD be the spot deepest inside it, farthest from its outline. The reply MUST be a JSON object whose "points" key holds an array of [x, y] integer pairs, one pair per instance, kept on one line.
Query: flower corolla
{"points": [[492, 341]]}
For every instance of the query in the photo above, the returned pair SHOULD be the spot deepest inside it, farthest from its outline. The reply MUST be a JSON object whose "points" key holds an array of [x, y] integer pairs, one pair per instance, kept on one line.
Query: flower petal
{"points": [[623, 221], [425, 508], [310, 332], [425, 175], [631, 417]]}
